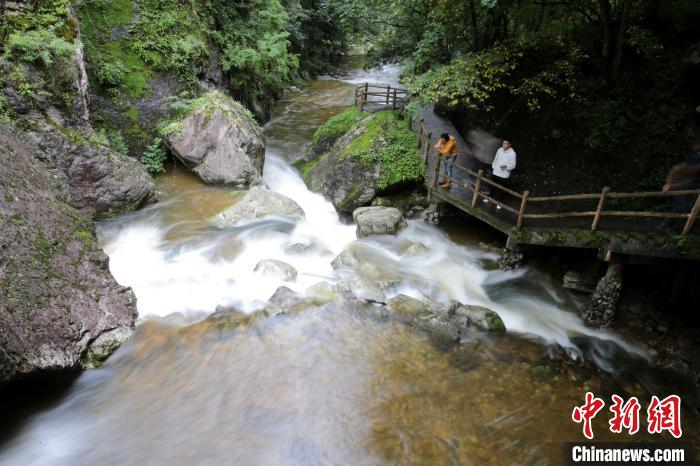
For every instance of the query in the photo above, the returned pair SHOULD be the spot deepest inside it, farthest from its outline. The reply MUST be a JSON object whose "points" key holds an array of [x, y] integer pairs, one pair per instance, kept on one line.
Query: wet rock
{"points": [[415, 249], [321, 293], [381, 277], [578, 280], [220, 142], [432, 214], [480, 318], [511, 259], [285, 297], [276, 268], [257, 203], [345, 259], [600, 311], [408, 310], [442, 332], [377, 221], [360, 288]]}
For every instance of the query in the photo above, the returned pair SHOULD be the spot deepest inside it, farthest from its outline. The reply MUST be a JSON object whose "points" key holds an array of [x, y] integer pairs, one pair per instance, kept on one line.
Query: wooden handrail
{"points": [[525, 199]]}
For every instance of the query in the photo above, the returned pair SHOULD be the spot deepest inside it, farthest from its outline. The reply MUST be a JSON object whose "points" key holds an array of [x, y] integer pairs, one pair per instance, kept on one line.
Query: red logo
{"points": [[587, 412], [661, 415], [665, 415]]}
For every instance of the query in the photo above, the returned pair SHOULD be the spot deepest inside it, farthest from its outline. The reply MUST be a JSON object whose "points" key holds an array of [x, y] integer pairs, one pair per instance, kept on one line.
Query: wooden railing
{"points": [[384, 96], [541, 207]]}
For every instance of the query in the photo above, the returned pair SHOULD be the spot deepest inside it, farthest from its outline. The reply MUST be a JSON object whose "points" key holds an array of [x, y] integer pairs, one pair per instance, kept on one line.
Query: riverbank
{"points": [[329, 382]]}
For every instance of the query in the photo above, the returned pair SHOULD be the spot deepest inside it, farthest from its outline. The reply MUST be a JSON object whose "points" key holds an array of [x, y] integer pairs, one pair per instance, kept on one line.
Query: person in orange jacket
{"points": [[447, 147]]}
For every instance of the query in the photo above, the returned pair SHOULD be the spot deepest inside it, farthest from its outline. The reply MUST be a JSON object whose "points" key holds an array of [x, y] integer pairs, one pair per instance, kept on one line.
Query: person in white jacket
{"points": [[503, 163]]}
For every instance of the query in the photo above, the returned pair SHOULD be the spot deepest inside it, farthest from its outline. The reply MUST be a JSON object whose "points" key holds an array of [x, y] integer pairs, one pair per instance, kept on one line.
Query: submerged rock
{"points": [[321, 293], [345, 259], [259, 202], [276, 268], [219, 141], [377, 221], [481, 318], [360, 288], [285, 297], [408, 310]]}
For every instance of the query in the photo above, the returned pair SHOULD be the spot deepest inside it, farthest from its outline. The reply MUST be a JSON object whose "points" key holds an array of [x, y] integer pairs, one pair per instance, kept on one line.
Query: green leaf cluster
{"points": [[153, 158]]}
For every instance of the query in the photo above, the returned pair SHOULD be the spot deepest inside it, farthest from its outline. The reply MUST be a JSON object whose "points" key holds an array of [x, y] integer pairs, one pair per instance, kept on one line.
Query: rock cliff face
{"points": [[59, 305]]}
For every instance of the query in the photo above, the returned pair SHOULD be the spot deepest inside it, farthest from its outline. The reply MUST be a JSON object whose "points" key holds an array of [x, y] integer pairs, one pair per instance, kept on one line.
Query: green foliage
{"points": [[338, 125], [516, 72], [38, 46], [389, 142], [153, 158], [254, 42]]}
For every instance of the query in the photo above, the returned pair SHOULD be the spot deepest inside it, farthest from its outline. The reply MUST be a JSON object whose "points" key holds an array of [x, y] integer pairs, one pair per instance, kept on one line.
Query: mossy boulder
{"points": [[219, 140], [375, 154]]}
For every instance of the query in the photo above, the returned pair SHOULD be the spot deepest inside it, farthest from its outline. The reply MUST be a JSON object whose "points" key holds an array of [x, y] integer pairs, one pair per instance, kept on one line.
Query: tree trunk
{"points": [[475, 26], [620, 46], [604, 7]]}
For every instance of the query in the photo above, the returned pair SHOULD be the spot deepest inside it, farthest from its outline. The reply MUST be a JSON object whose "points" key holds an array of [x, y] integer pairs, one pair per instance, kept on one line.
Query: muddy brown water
{"points": [[327, 385]]}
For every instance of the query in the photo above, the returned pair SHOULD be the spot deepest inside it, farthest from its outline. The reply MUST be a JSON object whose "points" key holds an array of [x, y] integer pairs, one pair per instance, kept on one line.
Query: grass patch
{"points": [[337, 126]]}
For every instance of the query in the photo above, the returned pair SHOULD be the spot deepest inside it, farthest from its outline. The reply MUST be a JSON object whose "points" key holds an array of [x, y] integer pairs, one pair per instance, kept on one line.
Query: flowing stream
{"points": [[325, 386]]}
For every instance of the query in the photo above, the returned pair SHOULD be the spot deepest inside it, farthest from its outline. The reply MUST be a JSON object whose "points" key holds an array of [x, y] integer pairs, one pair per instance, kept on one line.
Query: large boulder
{"points": [[219, 140], [377, 221], [59, 305], [376, 155], [259, 202]]}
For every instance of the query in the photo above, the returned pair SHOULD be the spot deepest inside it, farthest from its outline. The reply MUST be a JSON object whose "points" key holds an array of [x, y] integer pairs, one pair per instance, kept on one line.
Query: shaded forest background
{"points": [[592, 92]]}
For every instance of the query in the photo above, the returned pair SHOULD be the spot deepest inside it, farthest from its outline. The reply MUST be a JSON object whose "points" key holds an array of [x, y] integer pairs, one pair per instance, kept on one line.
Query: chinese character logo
{"points": [[587, 412]]}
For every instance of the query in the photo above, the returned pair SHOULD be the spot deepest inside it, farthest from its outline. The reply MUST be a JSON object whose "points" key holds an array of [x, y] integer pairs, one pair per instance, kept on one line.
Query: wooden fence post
{"points": [[364, 98], [388, 95], [601, 204], [394, 105], [420, 133], [523, 202], [428, 145], [692, 216], [477, 187], [436, 171]]}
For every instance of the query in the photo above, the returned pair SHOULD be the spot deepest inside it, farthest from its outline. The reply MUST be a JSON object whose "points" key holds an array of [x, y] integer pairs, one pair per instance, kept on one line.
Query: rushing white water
{"points": [[320, 387], [213, 267]]}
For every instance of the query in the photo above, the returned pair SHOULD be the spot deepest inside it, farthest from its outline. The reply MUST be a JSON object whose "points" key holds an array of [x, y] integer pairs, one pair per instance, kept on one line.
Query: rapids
{"points": [[324, 387]]}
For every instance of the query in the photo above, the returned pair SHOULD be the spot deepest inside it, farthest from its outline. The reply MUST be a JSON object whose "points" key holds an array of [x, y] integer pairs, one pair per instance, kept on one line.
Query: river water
{"points": [[325, 386]]}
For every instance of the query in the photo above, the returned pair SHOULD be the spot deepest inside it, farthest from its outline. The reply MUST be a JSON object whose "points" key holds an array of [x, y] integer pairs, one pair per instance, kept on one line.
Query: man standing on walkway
{"points": [[447, 147], [502, 165]]}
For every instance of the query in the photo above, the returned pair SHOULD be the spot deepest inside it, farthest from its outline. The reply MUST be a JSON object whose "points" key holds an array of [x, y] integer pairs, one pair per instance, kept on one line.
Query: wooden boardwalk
{"points": [[578, 221]]}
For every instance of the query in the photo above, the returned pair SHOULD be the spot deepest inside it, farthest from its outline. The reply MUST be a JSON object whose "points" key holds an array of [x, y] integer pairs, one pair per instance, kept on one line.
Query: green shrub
{"points": [[38, 46], [154, 157], [338, 125]]}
